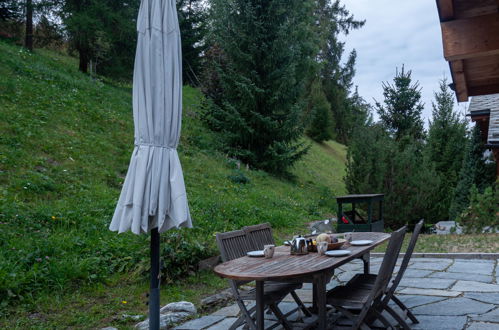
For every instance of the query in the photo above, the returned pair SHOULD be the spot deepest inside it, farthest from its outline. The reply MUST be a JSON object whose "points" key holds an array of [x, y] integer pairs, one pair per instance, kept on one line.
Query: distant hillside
{"points": [[65, 144]]}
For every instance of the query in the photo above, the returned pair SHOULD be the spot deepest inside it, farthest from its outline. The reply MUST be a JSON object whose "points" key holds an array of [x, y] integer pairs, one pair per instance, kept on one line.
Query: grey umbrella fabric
{"points": [[153, 194]]}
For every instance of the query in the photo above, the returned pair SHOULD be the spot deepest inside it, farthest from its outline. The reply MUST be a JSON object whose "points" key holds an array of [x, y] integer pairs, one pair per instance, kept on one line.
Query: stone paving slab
{"points": [[201, 323], [472, 267], [427, 283], [492, 316], [439, 322], [430, 265], [409, 272], [472, 286], [459, 276], [490, 297], [224, 324], [414, 301], [453, 306], [430, 292], [231, 310], [482, 326]]}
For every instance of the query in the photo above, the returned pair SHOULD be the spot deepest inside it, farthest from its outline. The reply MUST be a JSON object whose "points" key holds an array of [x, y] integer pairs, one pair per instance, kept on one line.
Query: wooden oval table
{"points": [[311, 268]]}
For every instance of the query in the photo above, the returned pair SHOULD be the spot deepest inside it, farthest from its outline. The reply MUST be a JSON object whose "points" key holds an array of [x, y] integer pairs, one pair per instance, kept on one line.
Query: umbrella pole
{"points": [[155, 279]]}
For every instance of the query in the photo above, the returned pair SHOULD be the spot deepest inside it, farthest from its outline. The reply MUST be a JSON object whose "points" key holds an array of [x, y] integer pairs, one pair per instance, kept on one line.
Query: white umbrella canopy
{"points": [[153, 194]]}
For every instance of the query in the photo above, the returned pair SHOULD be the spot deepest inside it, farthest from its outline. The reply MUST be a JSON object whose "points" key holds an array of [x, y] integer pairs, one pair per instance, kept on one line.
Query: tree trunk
{"points": [[29, 25], [83, 61]]}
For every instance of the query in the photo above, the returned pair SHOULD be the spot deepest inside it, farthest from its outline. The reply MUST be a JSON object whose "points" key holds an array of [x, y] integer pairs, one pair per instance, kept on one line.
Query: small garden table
{"points": [[309, 268]]}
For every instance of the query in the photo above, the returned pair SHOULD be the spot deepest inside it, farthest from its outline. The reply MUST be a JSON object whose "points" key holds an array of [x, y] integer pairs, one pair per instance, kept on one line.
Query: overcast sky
{"points": [[398, 32]]}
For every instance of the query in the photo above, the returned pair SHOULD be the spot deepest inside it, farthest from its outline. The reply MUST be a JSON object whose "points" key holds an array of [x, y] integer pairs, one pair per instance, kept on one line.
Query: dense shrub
{"points": [[483, 210]]}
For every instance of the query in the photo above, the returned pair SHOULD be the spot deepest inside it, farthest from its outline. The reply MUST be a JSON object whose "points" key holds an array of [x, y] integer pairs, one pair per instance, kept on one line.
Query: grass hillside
{"points": [[65, 144]]}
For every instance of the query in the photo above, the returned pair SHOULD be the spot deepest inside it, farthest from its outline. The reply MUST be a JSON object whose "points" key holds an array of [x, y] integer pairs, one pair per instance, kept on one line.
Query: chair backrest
{"points": [[233, 244], [407, 258], [384, 274], [259, 235], [389, 261]]}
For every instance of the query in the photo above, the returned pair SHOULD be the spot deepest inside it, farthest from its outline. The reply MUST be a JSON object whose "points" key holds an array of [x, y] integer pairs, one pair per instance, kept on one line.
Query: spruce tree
{"points": [[474, 171], [269, 48], [333, 21], [321, 126], [401, 109], [444, 148], [192, 18]]}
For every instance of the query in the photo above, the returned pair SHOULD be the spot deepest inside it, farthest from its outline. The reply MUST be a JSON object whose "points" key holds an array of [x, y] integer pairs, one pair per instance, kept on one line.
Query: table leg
{"points": [[259, 305], [320, 299], [366, 257]]}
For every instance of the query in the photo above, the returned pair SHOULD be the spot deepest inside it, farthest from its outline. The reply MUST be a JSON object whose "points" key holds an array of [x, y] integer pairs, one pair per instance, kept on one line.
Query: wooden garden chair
{"points": [[349, 298], [234, 245], [367, 281], [259, 236]]}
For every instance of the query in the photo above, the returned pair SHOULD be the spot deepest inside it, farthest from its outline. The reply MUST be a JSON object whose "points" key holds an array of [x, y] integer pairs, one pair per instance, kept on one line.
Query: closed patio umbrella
{"points": [[153, 198]]}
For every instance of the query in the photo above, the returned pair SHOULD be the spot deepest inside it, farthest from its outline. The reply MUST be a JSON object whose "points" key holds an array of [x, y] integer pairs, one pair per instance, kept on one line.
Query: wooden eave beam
{"points": [[446, 10], [471, 37], [459, 78]]}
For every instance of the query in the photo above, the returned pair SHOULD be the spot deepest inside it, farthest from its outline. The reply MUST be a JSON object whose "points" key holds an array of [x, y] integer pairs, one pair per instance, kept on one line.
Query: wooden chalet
{"points": [[470, 37]]}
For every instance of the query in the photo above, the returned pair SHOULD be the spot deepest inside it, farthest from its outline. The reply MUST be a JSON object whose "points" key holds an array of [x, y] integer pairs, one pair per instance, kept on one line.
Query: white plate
{"points": [[338, 253], [256, 253], [362, 242]]}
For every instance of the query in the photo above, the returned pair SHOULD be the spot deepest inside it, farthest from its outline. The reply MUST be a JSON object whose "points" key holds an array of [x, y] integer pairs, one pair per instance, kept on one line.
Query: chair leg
{"points": [[397, 317], [280, 316], [237, 323], [300, 304], [357, 323], [383, 319], [404, 308], [246, 316]]}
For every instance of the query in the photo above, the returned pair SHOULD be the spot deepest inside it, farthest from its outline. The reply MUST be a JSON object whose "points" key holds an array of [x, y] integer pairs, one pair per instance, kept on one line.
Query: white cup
{"points": [[268, 250], [322, 248]]}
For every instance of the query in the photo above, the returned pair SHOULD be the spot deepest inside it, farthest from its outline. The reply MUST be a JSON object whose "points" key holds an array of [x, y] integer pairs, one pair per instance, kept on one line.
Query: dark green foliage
{"points": [[333, 20], [475, 170], [321, 125], [377, 163], [192, 21], [268, 48], [444, 148], [239, 177], [483, 210], [84, 21], [180, 255], [48, 34], [401, 109], [116, 45], [102, 32], [9, 9]]}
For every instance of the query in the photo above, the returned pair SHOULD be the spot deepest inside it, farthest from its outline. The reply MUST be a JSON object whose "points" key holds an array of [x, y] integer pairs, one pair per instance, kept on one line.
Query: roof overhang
{"points": [[470, 36]]}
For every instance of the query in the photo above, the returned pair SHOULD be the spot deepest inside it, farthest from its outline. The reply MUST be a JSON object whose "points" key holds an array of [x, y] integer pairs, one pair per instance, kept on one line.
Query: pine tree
{"points": [[444, 148], [269, 47], [402, 108]]}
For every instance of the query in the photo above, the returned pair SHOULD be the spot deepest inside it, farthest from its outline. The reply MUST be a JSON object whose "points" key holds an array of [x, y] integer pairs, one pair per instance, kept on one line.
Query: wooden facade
{"points": [[484, 111], [470, 37]]}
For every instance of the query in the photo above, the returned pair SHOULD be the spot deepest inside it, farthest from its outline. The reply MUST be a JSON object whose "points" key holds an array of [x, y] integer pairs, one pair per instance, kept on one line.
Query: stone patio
{"points": [[442, 293]]}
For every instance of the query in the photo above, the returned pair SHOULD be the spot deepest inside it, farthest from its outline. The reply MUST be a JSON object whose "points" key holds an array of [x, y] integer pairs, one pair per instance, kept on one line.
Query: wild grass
{"points": [[64, 151]]}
